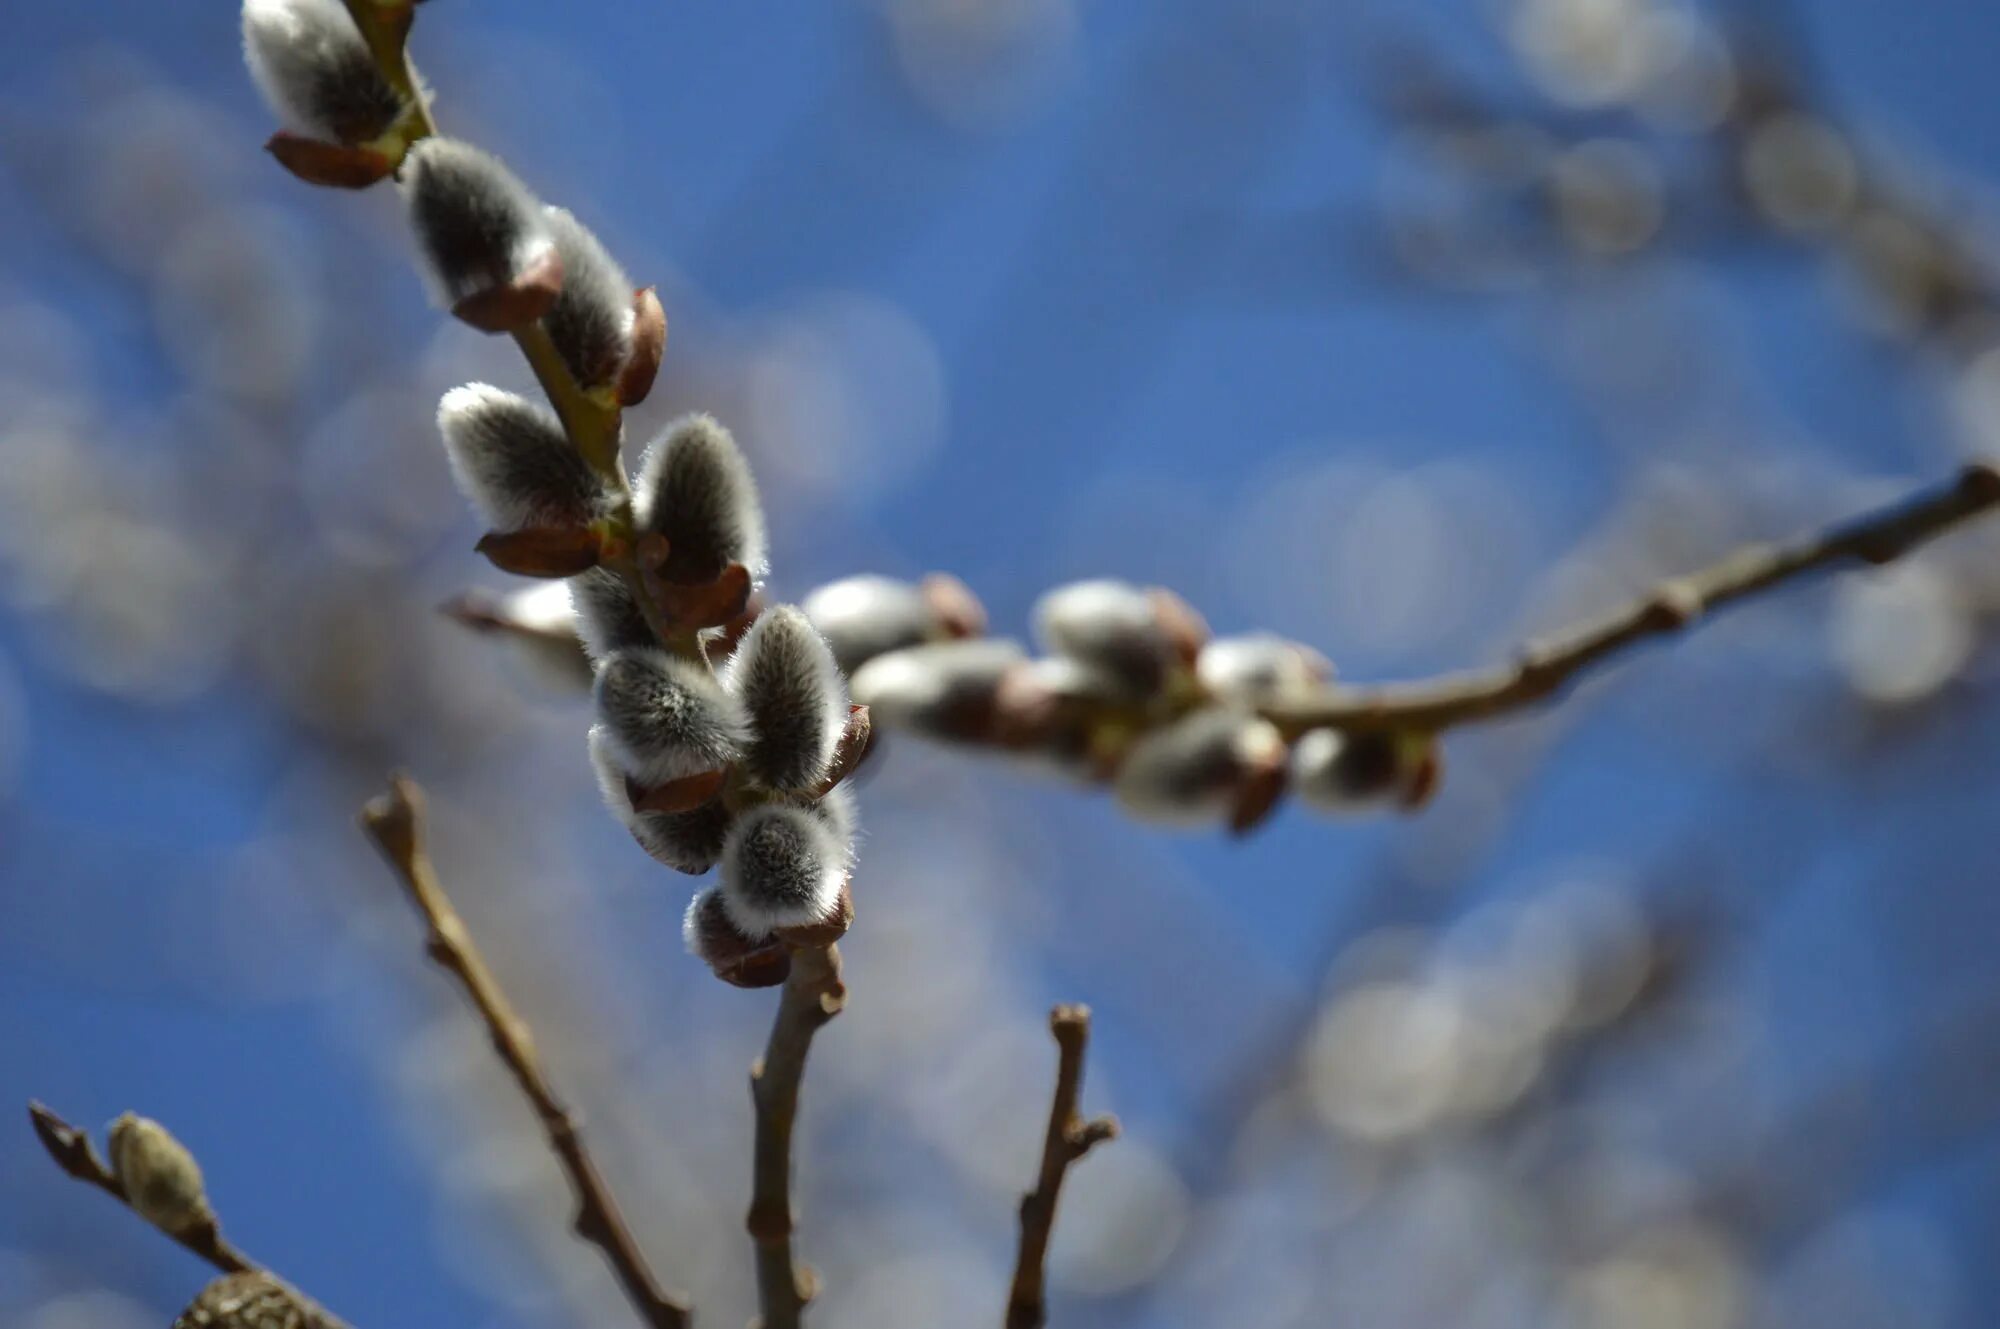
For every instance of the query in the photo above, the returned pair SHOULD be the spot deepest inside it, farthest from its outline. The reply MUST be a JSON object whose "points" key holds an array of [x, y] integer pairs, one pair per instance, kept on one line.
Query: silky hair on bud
{"points": [[783, 867], [608, 617], [315, 71], [695, 488], [786, 678], [162, 1181], [664, 717], [1259, 667], [944, 689], [479, 227], [866, 616], [512, 459], [591, 320], [689, 842], [1110, 625], [1189, 772]]}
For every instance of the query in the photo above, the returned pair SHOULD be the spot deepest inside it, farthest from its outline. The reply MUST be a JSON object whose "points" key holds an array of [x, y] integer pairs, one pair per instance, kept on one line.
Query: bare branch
{"points": [[395, 822], [1069, 1138], [813, 995], [1545, 669]]}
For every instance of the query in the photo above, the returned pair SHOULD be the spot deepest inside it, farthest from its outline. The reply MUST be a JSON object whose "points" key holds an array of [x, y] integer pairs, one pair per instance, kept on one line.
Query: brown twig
{"points": [[813, 995], [395, 822], [1545, 668], [1070, 1137], [73, 1152]]}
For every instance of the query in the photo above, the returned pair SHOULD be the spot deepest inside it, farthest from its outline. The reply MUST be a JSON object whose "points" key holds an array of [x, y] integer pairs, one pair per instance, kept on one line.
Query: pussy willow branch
{"points": [[594, 426], [1069, 1138], [395, 822], [73, 1152], [1544, 669], [813, 994]]}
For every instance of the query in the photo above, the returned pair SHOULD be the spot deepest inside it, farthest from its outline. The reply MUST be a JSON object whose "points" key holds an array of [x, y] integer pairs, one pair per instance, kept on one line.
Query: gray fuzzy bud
{"points": [[783, 867], [944, 689], [695, 488], [161, 1179], [786, 679], [1258, 668], [689, 842], [1354, 772], [664, 717], [479, 227], [863, 617], [1110, 625], [1190, 772], [315, 70], [512, 459], [591, 320], [608, 617]]}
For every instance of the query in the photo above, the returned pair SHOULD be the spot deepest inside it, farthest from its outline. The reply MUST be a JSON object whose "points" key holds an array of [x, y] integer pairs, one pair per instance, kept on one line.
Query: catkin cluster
{"points": [[722, 734]]}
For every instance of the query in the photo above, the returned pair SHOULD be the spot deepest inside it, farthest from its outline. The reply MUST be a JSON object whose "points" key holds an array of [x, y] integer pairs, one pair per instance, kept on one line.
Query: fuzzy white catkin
{"points": [[513, 461], [254, 1300], [479, 227], [162, 1181], [1259, 667], [786, 678], [1189, 772], [695, 487], [315, 71], [934, 688], [866, 616], [783, 867], [591, 320], [608, 617], [665, 718], [1110, 625], [689, 842]]}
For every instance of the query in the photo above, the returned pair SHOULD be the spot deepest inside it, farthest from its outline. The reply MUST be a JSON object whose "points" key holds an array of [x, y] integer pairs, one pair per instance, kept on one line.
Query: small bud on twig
{"points": [[513, 461], [696, 490], [664, 717], [488, 245], [591, 322], [785, 676], [783, 867], [1337, 771], [1198, 768], [866, 616], [253, 1300], [649, 344], [1259, 667], [1114, 627], [944, 689], [162, 1181]]}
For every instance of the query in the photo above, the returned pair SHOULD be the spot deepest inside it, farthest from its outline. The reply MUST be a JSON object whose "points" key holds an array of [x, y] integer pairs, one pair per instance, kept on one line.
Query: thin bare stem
{"points": [[1544, 669], [395, 823], [812, 995], [1069, 1138]]}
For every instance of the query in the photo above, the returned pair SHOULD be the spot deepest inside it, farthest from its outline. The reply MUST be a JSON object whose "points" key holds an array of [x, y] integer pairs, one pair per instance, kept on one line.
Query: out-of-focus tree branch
{"points": [[394, 822], [1069, 1138], [1545, 668]]}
